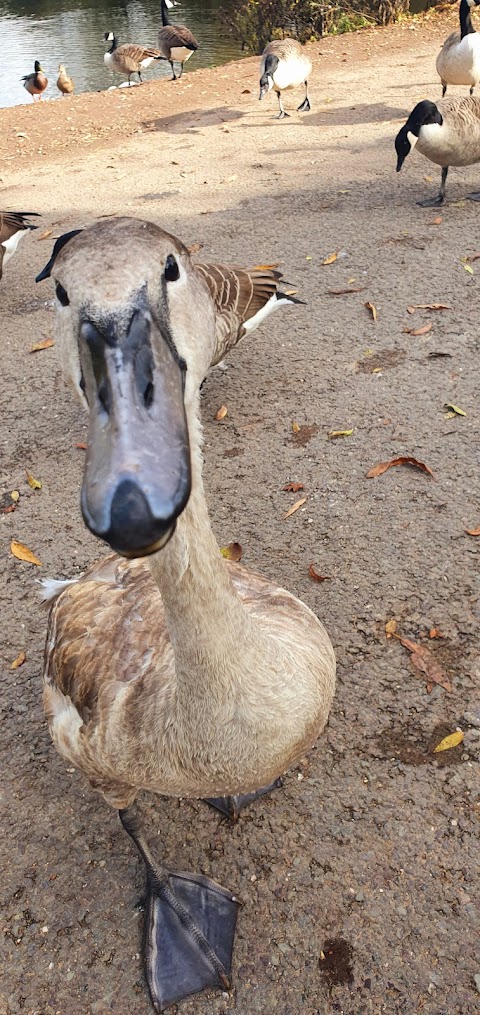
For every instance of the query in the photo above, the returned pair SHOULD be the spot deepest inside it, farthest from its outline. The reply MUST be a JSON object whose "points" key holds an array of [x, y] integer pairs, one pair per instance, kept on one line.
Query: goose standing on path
{"points": [[35, 83], [284, 64], [13, 226], [458, 62], [178, 672], [447, 134], [129, 58], [64, 82], [175, 42]]}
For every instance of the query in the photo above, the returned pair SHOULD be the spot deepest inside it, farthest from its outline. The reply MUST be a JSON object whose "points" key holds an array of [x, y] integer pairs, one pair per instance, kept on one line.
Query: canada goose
{"points": [[13, 225], [175, 42], [183, 673], [447, 134], [64, 82], [35, 83], [458, 62], [129, 58], [284, 64]]}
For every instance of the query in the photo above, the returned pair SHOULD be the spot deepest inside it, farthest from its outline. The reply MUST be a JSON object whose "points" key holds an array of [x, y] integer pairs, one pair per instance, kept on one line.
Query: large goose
{"points": [[13, 226], [458, 62], [175, 42], [36, 82], [447, 134], [129, 58], [179, 672], [285, 64]]}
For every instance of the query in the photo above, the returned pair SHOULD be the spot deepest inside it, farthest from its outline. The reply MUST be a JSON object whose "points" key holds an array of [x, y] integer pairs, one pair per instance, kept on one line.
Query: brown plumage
{"points": [[35, 83], [13, 225], [65, 84], [176, 42], [129, 58]]}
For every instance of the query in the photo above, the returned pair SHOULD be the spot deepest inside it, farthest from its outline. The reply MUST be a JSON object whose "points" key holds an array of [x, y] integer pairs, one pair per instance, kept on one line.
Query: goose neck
{"points": [[466, 25]]}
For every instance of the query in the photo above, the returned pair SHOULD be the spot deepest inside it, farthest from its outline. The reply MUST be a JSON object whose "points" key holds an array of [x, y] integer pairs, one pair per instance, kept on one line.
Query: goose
{"points": [[64, 82], [129, 58], [35, 83], [13, 226], [447, 134], [175, 42], [284, 64], [167, 667], [458, 62]]}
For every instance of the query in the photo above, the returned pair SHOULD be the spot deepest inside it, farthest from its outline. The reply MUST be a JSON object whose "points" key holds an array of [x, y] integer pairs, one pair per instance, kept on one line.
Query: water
{"points": [[71, 32]]}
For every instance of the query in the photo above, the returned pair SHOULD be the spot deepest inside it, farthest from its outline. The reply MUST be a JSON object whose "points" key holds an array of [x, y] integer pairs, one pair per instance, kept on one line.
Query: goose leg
{"points": [[444, 88], [471, 90], [174, 76], [230, 806], [189, 928], [433, 202], [305, 106], [282, 114], [140, 77], [181, 71]]}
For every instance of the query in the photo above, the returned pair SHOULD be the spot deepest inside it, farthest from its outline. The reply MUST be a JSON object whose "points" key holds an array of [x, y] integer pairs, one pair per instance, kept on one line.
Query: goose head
{"points": [[425, 112], [109, 37], [266, 80], [135, 325]]}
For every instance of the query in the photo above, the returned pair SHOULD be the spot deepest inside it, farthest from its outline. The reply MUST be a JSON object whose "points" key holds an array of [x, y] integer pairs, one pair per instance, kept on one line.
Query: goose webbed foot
{"points": [[282, 114], [474, 196], [230, 806], [432, 202], [305, 106], [189, 928]]}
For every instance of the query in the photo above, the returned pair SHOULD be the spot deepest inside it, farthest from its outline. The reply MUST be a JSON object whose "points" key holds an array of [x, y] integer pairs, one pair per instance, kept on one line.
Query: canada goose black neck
{"points": [[466, 25], [111, 38], [423, 113], [166, 19]]}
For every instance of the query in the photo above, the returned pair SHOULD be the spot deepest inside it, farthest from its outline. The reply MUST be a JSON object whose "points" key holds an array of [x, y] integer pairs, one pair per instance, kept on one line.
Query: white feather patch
{"points": [[412, 138], [52, 587], [11, 244], [268, 309]]}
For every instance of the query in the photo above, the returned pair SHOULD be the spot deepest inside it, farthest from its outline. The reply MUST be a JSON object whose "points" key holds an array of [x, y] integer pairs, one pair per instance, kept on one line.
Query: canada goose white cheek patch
{"points": [[412, 139]]}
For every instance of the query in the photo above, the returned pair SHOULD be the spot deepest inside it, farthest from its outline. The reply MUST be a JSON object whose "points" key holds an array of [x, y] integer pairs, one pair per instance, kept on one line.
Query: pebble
{"points": [[476, 980], [401, 911], [473, 718], [360, 896]]}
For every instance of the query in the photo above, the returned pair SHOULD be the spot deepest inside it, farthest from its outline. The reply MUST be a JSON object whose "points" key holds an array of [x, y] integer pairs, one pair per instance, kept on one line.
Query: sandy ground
{"points": [[367, 854]]}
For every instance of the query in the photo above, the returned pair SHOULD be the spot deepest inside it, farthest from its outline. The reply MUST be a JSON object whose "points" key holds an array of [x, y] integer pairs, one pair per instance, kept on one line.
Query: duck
{"points": [[284, 64], [167, 667], [448, 134], [65, 84], [458, 62], [128, 58], [176, 42], [35, 83], [13, 226]]}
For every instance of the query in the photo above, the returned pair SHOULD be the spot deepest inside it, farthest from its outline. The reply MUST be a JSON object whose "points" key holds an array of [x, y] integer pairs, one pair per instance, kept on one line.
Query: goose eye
{"points": [[61, 294], [172, 271]]}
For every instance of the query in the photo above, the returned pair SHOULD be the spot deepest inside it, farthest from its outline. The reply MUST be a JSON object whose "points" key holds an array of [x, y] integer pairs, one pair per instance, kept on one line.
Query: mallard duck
{"points": [[129, 58], [285, 64], [13, 226], [458, 62], [65, 84], [167, 667], [447, 134], [35, 83], [175, 42]]}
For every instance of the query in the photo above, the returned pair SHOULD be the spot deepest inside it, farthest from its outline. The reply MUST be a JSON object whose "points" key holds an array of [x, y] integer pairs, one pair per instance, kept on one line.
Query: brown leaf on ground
{"points": [[221, 412], [295, 427], [390, 628], [423, 660], [415, 332], [473, 532], [7, 503], [435, 633], [265, 267], [472, 257], [35, 484], [428, 306], [331, 258], [18, 661], [339, 433], [46, 344], [194, 248], [453, 740], [303, 434], [21, 552], [294, 507], [382, 467], [437, 221], [345, 292], [234, 551], [80, 445], [373, 310], [45, 235], [316, 577], [292, 487]]}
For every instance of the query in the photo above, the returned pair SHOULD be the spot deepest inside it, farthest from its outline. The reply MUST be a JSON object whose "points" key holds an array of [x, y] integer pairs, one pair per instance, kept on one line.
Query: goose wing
{"points": [[12, 221], [132, 54], [176, 36]]}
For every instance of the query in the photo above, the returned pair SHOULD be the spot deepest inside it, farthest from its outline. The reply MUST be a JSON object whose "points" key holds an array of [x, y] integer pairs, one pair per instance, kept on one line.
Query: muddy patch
{"points": [[413, 747], [385, 359], [336, 960], [304, 434]]}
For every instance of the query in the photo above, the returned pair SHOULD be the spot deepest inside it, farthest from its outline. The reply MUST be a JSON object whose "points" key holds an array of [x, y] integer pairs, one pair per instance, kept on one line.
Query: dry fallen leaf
{"points": [[293, 487], [15, 496], [344, 292], [316, 577], [45, 235], [423, 660], [435, 633], [455, 409], [340, 433], [294, 507], [194, 248], [382, 467], [18, 661], [46, 344], [222, 412], [468, 268], [453, 740], [418, 331], [232, 552], [390, 628], [34, 483], [472, 257], [8, 503], [437, 221], [265, 267], [21, 552], [473, 532], [295, 427], [80, 445], [373, 310], [331, 258], [431, 306]]}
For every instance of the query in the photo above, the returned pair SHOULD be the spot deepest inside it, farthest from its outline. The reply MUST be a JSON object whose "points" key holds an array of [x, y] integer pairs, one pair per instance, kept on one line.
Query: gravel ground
{"points": [[358, 878]]}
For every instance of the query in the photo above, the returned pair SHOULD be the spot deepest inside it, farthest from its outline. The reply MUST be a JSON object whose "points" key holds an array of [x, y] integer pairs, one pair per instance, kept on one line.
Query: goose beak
{"points": [[137, 472]]}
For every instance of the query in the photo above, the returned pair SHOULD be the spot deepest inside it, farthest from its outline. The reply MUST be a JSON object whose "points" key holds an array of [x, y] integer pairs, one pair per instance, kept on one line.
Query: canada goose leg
{"points": [[433, 202], [444, 88], [174, 76], [305, 106], [181, 71], [282, 114], [189, 928], [140, 77], [231, 806], [471, 90]]}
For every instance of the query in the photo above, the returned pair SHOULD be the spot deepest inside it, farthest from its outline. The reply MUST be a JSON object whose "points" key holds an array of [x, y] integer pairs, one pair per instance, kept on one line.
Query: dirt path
{"points": [[371, 842]]}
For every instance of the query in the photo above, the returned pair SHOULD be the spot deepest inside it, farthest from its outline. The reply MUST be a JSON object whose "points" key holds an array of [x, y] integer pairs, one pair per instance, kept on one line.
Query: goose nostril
{"points": [[148, 394]]}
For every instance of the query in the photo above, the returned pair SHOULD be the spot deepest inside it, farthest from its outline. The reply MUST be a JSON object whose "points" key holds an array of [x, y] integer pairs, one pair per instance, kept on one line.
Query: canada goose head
{"points": [[266, 80], [136, 328], [424, 112], [109, 37]]}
